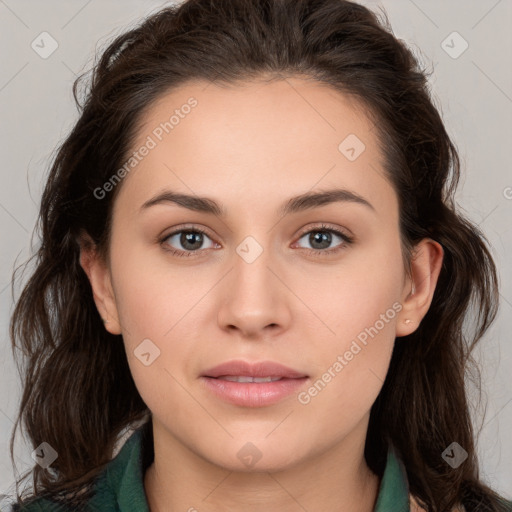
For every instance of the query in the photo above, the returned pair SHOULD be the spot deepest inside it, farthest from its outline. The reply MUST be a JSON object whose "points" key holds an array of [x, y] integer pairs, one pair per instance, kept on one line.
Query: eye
{"points": [[190, 241], [321, 238]]}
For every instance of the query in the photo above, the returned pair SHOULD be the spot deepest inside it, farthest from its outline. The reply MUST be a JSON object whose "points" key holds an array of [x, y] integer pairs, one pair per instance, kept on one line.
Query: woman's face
{"points": [[264, 282]]}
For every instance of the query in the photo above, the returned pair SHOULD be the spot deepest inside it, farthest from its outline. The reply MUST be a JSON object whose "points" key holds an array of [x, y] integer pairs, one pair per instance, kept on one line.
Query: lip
{"points": [[258, 369], [253, 394]]}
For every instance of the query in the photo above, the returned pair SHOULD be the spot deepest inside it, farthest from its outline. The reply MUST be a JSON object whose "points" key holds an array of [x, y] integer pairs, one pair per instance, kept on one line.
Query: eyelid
{"points": [[186, 227], [325, 226]]}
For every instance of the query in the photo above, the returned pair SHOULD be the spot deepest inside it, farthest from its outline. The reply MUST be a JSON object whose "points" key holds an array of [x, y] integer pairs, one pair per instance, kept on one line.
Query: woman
{"points": [[185, 350]]}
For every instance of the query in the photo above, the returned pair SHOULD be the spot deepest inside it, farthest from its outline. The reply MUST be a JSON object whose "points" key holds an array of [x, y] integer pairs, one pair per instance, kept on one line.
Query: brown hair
{"points": [[78, 392]]}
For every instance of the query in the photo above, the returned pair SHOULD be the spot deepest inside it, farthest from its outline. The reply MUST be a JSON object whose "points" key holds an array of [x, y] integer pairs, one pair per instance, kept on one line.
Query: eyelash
{"points": [[347, 240]]}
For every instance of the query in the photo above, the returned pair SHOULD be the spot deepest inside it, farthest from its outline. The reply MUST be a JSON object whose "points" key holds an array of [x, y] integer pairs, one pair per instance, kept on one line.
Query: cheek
{"points": [[358, 306], [152, 295], [158, 308], [350, 368], [159, 351], [354, 295]]}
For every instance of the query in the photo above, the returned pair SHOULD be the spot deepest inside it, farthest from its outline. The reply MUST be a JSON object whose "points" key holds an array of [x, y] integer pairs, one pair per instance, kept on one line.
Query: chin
{"points": [[249, 459]]}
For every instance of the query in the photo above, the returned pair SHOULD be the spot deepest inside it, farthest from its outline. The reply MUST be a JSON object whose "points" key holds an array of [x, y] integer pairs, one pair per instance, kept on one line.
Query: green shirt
{"points": [[120, 487]]}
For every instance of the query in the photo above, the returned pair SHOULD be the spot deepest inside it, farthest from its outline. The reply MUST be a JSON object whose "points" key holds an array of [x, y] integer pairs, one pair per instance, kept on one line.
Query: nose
{"points": [[255, 301]]}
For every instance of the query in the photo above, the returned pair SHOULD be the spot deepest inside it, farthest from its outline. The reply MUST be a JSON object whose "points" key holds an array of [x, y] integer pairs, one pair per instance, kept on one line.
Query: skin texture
{"points": [[251, 147]]}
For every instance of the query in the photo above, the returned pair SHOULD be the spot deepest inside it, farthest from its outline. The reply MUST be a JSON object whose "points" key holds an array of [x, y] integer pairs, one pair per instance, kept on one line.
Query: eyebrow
{"points": [[306, 201]]}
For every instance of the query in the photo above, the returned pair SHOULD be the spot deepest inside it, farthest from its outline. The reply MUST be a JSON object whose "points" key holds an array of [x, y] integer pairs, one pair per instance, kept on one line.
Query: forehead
{"points": [[255, 141]]}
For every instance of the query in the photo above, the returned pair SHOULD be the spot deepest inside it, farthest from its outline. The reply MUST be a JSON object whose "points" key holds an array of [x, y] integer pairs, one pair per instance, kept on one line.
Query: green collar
{"points": [[394, 487], [121, 485]]}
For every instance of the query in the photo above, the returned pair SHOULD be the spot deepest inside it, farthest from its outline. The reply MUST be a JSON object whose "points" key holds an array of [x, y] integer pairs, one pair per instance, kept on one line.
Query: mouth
{"points": [[246, 378], [243, 371], [252, 385]]}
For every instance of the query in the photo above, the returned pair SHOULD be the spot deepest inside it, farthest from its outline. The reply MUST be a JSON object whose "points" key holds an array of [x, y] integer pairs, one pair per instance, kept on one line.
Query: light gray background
{"points": [[473, 92]]}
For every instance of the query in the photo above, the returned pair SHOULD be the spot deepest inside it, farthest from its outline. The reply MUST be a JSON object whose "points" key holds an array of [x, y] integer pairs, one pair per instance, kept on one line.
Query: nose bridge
{"points": [[251, 265], [254, 297]]}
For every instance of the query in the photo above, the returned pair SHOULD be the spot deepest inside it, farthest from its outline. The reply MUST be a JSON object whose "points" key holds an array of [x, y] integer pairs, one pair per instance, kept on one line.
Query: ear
{"points": [[419, 287], [100, 279]]}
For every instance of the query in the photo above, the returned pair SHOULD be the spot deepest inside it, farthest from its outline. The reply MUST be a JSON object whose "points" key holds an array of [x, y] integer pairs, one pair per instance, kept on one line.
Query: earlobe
{"points": [[101, 285], [420, 286]]}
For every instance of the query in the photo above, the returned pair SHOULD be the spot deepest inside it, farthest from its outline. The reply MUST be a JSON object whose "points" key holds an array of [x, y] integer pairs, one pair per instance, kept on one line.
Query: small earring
{"points": [[105, 321], [407, 321]]}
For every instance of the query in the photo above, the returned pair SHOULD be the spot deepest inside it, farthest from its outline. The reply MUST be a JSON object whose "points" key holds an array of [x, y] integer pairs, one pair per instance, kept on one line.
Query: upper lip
{"points": [[256, 369]]}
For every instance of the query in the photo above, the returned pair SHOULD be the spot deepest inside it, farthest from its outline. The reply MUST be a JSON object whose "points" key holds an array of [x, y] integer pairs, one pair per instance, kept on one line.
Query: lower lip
{"points": [[253, 394]]}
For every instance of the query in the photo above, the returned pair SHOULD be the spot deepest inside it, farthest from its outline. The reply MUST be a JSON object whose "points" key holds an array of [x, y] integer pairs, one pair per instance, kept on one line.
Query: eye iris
{"points": [[188, 237], [322, 237]]}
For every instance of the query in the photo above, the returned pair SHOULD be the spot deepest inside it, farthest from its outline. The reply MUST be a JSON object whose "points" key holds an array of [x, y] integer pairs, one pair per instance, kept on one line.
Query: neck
{"points": [[336, 480]]}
